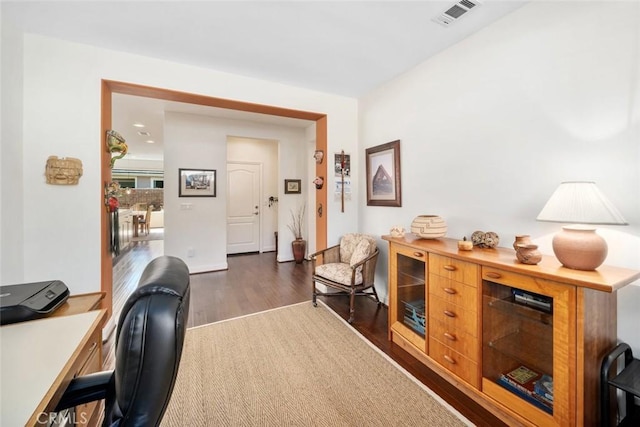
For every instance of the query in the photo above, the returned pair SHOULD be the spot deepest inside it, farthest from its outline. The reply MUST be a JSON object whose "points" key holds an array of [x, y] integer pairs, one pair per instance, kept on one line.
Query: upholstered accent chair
{"points": [[348, 267]]}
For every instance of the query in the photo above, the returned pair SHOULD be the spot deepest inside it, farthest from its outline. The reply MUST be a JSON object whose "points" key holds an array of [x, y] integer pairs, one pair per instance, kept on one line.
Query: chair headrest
{"points": [[149, 343]]}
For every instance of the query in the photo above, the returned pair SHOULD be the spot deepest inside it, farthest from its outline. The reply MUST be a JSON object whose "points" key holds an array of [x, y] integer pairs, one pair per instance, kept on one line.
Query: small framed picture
{"points": [[292, 186], [383, 175], [197, 183]]}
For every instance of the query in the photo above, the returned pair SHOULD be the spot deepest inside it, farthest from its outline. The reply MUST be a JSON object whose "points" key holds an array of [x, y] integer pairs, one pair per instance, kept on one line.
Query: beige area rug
{"points": [[296, 366]]}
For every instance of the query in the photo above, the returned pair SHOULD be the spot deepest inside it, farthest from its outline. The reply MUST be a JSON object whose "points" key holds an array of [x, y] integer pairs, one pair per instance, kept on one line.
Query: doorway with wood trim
{"points": [[109, 87]]}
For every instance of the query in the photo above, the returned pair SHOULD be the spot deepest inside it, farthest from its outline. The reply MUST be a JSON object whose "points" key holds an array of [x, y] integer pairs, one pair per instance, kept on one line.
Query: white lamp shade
{"points": [[580, 203]]}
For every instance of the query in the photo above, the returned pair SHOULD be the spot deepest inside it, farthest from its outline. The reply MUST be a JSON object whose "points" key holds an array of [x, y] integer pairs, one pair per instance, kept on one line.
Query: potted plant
{"points": [[299, 245]]}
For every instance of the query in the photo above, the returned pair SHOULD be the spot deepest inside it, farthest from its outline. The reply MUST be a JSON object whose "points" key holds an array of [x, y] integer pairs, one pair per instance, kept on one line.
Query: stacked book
{"points": [[414, 316], [532, 386]]}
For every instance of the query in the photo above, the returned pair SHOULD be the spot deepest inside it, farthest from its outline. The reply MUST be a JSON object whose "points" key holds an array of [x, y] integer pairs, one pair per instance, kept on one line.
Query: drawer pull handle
{"points": [[449, 359], [494, 275], [450, 337], [450, 267], [418, 254], [450, 291], [449, 313]]}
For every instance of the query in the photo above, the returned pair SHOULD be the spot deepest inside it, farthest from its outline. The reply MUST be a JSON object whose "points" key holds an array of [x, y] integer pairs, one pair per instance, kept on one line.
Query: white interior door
{"points": [[243, 207]]}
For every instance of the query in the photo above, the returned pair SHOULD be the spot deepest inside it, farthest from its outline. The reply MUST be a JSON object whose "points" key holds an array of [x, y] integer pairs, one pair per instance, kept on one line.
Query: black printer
{"points": [[29, 301]]}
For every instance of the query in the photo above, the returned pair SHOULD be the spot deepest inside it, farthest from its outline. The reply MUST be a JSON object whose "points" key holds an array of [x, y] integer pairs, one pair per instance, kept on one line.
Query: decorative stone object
{"points": [[481, 239], [397, 231], [64, 171], [528, 253], [429, 226], [116, 144]]}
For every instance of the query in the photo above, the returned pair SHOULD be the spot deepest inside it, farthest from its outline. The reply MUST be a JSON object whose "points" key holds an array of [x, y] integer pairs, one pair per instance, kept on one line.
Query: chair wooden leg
{"points": [[352, 298], [373, 288], [314, 293]]}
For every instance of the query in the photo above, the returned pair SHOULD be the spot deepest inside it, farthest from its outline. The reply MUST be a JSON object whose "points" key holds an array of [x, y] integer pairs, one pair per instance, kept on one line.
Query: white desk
{"points": [[36, 363]]}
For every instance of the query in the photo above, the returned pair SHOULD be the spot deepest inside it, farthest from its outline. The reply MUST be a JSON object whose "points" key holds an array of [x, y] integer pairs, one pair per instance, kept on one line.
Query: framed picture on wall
{"points": [[197, 183], [292, 186], [383, 175]]}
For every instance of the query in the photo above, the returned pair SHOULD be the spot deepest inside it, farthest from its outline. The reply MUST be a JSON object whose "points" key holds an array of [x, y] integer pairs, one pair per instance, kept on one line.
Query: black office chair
{"points": [[148, 348]]}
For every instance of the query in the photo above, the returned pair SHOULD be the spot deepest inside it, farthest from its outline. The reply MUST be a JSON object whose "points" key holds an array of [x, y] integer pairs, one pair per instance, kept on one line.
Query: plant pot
{"points": [[298, 247]]}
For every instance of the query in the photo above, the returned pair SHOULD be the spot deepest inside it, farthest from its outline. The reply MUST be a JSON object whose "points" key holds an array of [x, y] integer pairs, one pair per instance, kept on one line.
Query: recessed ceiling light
{"points": [[138, 125], [144, 133], [150, 141]]}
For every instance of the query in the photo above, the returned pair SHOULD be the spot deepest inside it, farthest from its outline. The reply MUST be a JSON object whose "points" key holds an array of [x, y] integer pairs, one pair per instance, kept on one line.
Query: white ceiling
{"points": [[342, 47]]}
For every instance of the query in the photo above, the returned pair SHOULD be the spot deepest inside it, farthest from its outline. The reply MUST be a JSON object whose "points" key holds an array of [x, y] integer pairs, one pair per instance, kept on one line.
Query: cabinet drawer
{"points": [[455, 317], [460, 341], [460, 271], [90, 361], [454, 362], [84, 413], [452, 291]]}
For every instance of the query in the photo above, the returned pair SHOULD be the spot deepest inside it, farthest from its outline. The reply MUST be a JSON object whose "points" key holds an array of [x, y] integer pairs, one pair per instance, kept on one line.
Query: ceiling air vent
{"points": [[455, 12]]}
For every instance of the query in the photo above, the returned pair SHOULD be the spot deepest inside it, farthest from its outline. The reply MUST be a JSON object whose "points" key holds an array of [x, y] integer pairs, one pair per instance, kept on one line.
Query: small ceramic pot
{"points": [[524, 239], [528, 254]]}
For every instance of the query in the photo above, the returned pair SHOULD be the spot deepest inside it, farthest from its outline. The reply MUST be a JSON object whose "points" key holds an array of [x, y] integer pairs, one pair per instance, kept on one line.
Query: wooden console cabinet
{"points": [[475, 316]]}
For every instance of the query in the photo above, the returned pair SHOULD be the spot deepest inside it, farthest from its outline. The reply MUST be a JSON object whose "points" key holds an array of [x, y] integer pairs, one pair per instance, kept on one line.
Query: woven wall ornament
{"points": [[64, 171]]}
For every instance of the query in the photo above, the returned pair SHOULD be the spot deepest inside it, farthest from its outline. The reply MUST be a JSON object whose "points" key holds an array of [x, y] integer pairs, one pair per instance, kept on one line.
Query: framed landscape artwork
{"points": [[383, 175], [197, 183], [292, 186]]}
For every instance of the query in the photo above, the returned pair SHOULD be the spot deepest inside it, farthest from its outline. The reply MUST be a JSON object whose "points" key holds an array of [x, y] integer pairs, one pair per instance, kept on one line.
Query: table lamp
{"points": [[578, 246]]}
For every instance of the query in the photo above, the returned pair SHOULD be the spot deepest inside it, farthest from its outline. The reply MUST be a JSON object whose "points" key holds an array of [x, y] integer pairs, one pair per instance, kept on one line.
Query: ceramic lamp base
{"points": [[579, 247]]}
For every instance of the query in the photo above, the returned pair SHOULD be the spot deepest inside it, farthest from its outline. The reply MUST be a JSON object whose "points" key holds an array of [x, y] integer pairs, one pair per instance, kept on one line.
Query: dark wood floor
{"points": [[256, 282]]}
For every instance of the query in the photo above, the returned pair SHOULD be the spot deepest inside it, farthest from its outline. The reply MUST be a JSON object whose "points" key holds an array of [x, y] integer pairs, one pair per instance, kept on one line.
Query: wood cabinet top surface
{"points": [[605, 278]]}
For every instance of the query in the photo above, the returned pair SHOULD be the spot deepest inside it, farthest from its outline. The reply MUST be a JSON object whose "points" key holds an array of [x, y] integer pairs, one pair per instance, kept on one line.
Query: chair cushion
{"points": [[350, 241], [338, 272], [362, 251]]}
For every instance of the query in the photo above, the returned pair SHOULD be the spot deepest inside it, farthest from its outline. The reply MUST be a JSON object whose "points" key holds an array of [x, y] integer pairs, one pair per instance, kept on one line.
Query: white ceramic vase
{"points": [[429, 226]]}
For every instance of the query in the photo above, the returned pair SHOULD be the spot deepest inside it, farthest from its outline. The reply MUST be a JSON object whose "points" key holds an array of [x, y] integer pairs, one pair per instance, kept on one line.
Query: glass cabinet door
{"points": [[411, 304], [518, 343], [526, 351]]}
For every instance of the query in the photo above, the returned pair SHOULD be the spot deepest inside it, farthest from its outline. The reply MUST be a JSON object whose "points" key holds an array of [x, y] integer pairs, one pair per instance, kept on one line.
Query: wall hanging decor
{"points": [[111, 192], [342, 169], [292, 186], [197, 183], [383, 175], [63, 171], [319, 182], [318, 155], [116, 144]]}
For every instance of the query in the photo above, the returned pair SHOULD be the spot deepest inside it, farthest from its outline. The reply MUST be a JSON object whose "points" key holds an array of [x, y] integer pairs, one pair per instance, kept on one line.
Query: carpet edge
{"points": [[408, 374]]}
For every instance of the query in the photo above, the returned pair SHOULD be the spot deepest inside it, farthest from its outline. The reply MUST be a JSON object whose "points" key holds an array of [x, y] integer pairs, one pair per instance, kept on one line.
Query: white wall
{"points": [[196, 141], [11, 169], [491, 126], [60, 108]]}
